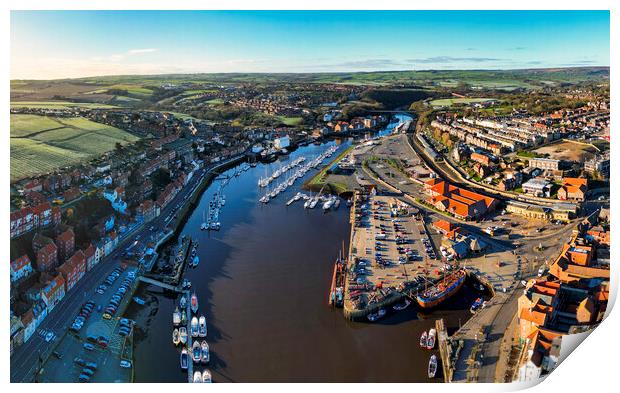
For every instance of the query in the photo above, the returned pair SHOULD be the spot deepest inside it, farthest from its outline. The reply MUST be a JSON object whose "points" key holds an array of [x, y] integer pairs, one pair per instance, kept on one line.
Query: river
{"points": [[263, 284]]}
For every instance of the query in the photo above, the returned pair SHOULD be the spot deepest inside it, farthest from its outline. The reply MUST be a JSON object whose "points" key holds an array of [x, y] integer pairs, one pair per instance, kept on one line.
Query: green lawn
{"points": [[290, 121], [59, 105], [42, 144]]}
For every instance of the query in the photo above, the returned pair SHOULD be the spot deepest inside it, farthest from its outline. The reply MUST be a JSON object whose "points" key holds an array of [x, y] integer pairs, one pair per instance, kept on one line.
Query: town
{"points": [[413, 224]]}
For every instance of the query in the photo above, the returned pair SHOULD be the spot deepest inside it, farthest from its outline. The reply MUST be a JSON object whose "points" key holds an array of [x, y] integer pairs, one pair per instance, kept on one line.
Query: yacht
{"points": [[196, 352], [205, 352], [424, 339], [184, 358], [194, 302], [328, 204], [176, 317], [430, 342], [182, 301], [313, 202], [206, 376], [202, 326], [307, 203], [264, 199], [176, 338], [432, 367], [195, 261], [183, 317], [194, 327], [183, 334], [197, 377]]}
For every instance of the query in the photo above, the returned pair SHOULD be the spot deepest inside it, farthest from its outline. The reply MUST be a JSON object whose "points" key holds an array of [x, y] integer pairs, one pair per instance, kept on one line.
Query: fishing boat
{"points": [[176, 337], [430, 341], [182, 302], [183, 334], [139, 300], [176, 317], [195, 261], [194, 302], [183, 317], [202, 326], [184, 358], [424, 339], [194, 327], [196, 352], [376, 316], [432, 367], [197, 377], [476, 305], [205, 352], [401, 306], [206, 376], [443, 290]]}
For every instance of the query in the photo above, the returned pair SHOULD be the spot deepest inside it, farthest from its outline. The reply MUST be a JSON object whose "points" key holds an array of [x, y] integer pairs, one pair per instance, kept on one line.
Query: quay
{"points": [[444, 350]]}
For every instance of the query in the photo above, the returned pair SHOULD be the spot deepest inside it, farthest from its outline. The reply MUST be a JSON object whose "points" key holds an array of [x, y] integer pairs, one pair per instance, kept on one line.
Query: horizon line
{"points": [[314, 72]]}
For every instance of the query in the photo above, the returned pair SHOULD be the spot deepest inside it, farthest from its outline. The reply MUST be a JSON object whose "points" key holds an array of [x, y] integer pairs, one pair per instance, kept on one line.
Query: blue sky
{"points": [[58, 44]]}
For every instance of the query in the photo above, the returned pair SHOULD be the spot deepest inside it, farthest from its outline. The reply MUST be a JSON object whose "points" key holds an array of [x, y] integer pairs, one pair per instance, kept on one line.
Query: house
{"points": [[443, 226], [53, 292], [29, 324], [458, 201], [537, 187], [20, 268], [73, 269], [47, 257], [480, 158], [66, 244], [544, 163], [573, 188], [22, 221], [89, 254]]}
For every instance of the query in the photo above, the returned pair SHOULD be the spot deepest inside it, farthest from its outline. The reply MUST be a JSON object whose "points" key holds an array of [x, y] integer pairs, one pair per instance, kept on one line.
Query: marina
{"points": [[294, 280]]}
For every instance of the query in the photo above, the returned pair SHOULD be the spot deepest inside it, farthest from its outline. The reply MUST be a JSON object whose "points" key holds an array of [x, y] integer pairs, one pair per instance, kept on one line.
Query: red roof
{"points": [[20, 263], [66, 236]]}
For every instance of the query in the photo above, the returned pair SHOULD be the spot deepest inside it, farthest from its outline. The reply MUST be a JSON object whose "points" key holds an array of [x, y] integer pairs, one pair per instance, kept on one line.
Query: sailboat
{"points": [[204, 225]]}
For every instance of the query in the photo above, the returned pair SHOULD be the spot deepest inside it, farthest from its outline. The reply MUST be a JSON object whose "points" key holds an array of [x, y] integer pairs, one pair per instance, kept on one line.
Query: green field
{"points": [[59, 105], [42, 144], [290, 121], [453, 101]]}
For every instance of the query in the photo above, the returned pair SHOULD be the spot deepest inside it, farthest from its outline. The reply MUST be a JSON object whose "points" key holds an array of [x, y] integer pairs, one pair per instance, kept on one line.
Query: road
{"points": [[25, 359]]}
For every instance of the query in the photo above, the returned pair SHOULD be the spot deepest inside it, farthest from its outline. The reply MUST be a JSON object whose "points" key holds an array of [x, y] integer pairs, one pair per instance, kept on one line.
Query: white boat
{"points": [[376, 316], [183, 335], [194, 327], [313, 202], [424, 339], [176, 317], [206, 376], [196, 352], [432, 367], [328, 204], [182, 301], [195, 261], [307, 204], [204, 357], [184, 358], [430, 343], [401, 306], [197, 377], [264, 199], [176, 338], [202, 326]]}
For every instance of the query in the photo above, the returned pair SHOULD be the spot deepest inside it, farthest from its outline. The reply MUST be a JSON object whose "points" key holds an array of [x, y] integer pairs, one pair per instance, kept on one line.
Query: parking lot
{"points": [[97, 335]]}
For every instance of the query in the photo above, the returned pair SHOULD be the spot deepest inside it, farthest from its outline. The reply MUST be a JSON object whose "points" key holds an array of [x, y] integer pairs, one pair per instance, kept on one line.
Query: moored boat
{"points": [[424, 339], [196, 352], [477, 304], [194, 302], [183, 317], [432, 367], [176, 337], [195, 261], [194, 327], [176, 317], [206, 376], [182, 302], [139, 300], [401, 306], [204, 357], [183, 334], [430, 341], [197, 377], [184, 358], [202, 326], [376, 316], [443, 290]]}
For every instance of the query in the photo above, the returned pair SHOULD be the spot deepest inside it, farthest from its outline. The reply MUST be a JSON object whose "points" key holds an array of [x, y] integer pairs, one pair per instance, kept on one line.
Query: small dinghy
{"points": [[432, 367], [424, 339]]}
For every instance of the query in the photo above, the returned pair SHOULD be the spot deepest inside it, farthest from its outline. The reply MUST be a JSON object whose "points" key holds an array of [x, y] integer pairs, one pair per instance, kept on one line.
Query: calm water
{"points": [[263, 283]]}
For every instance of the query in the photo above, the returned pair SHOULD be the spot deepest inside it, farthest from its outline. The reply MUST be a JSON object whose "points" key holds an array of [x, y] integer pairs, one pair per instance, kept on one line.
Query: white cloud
{"points": [[140, 51]]}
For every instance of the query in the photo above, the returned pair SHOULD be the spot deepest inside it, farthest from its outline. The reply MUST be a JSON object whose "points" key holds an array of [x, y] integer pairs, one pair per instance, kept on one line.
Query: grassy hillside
{"points": [[41, 144]]}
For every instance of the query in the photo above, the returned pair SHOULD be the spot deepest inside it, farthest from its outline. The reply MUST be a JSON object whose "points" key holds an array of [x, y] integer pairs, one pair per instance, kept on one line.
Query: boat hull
{"points": [[449, 292]]}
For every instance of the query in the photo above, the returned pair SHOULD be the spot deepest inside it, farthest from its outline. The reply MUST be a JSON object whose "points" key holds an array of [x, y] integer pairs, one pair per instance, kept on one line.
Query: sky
{"points": [[71, 44]]}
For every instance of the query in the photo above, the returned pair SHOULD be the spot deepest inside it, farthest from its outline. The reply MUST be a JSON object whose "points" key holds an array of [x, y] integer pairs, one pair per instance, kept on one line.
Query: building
{"points": [[544, 163], [282, 142], [458, 201], [480, 158], [600, 164], [47, 257], [537, 187], [73, 269], [573, 188], [560, 212], [576, 262], [89, 254], [20, 268], [66, 244], [53, 292]]}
